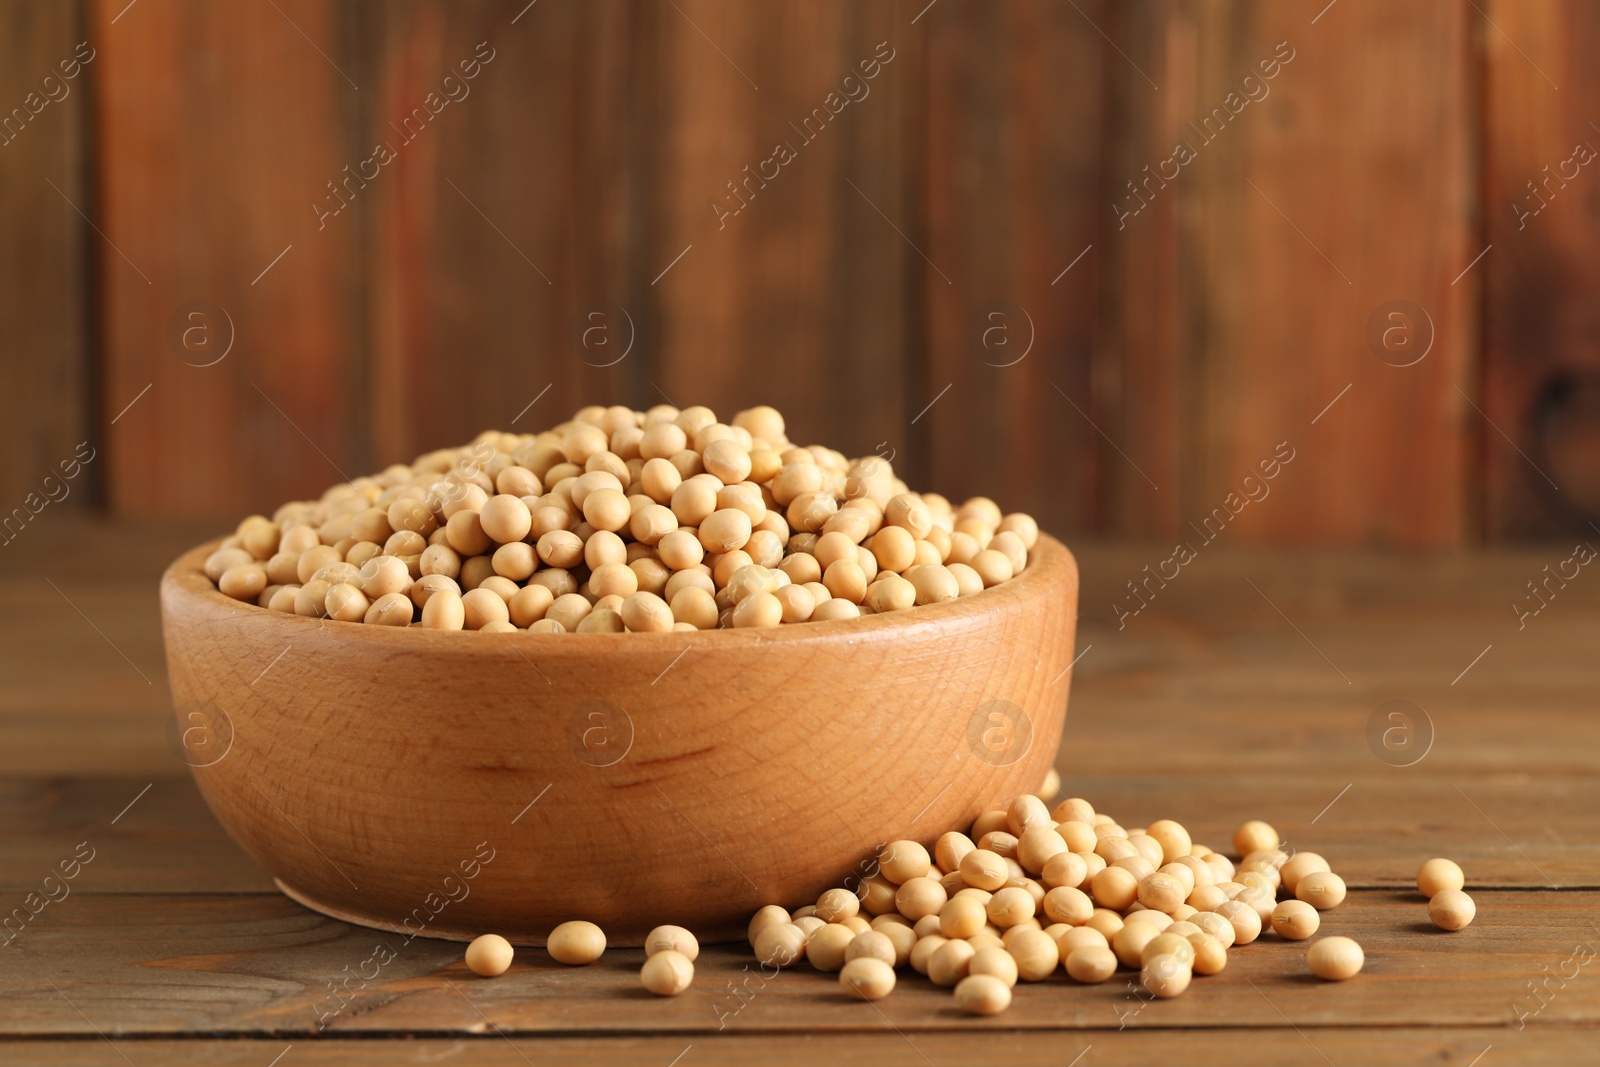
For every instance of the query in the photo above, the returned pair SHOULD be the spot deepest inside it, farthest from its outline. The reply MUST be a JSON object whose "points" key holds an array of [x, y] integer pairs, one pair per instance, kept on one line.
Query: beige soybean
{"points": [[837, 904], [1166, 976], [994, 961], [809, 924], [1210, 955], [983, 994], [917, 898], [667, 973], [1244, 918], [675, 938], [346, 602], [1321, 889], [1335, 958], [1254, 836], [901, 861], [489, 955], [1036, 953], [867, 978], [826, 946], [949, 962], [983, 869], [1451, 909], [1295, 920], [780, 945], [769, 915], [1010, 906], [1217, 926], [1091, 964], [1162, 892], [1300, 865], [1067, 904], [901, 934], [962, 916], [1063, 869], [922, 952], [871, 943], [1437, 875], [576, 942], [1129, 942], [1114, 888]]}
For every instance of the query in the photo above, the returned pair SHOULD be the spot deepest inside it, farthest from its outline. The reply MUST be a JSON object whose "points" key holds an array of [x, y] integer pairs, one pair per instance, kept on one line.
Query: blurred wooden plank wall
{"points": [[1004, 183]]}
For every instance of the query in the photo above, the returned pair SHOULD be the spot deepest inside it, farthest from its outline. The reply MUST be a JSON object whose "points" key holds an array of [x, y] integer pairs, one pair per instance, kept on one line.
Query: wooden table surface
{"points": [[1243, 690]]}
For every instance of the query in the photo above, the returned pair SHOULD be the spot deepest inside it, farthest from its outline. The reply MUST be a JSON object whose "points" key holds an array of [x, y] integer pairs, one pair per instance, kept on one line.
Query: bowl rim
{"points": [[1050, 563]]}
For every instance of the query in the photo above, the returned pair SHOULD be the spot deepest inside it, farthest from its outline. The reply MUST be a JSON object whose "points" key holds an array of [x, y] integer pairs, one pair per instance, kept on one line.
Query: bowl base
{"points": [[437, 931]]}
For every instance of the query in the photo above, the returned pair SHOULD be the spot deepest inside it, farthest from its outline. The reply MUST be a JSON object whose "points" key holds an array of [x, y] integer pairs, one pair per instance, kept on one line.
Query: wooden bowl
{"points": [[447, 784]]}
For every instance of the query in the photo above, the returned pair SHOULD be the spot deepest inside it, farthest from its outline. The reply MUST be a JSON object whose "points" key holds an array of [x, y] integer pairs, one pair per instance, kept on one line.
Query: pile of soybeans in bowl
{"points": [[620, 520]]}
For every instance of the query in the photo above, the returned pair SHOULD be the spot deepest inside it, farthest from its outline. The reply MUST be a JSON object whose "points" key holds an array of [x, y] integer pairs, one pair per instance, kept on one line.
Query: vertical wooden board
{"points": [[1367, 154], [1310, 199], [1011, 172], [220, 126], [1541, 380], [43, 274], [800, 298], [505, 241], [1140, 331]]}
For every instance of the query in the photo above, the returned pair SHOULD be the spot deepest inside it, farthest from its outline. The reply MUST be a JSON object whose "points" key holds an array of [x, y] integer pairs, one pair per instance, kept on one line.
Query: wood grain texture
{"points": [[1141, 329], [247, 964], [172, 930], [1376, 834], [1012, 139], [1452, 1046], [1276, 237], [510, 220], [794, 288], [857, 281], [1541, 373], [220, 127], [44, 275], [702, 776]]}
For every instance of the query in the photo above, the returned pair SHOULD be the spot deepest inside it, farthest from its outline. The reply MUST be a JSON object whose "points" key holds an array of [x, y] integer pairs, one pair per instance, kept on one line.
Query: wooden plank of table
{"points": [[257, 963], [1010, 193], [1541, 374], [220, 125], [44, 274], [1507, 831], [1446, 1046], [1276, 235]]}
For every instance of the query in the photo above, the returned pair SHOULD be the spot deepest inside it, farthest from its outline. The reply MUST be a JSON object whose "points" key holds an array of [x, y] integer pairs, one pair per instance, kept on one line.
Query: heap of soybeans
{"points": [[620, 520], [1026, 892]]}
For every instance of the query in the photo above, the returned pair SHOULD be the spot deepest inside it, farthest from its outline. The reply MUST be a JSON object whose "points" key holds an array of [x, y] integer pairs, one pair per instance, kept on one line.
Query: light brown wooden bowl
{"points": [[629, 779]]}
